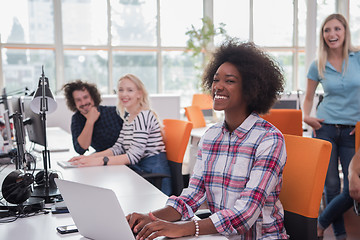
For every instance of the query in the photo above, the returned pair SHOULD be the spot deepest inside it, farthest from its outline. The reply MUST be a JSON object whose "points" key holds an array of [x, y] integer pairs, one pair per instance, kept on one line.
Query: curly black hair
{"points": [[262, 78], [79, 85]]}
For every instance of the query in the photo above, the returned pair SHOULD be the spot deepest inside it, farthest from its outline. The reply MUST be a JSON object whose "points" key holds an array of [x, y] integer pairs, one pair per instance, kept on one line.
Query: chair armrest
{"points": [[154, 175]]}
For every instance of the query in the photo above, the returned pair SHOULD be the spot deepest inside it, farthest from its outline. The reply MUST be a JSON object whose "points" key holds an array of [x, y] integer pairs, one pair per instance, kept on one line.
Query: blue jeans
{"points": [[155, 164], [343, 149]]}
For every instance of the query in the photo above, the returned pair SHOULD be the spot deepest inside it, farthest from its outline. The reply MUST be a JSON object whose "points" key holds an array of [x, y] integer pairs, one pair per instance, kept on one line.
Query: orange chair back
{"points": [[196, 116], [202, 100], [177, 135], [288, 121], [304, 174], [357, 136]]}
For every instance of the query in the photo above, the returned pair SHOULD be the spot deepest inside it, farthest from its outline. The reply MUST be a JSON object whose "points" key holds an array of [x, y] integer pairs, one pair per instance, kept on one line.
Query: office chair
{"points": [[288, 121], [303, 183], [195, 115], [202, 100], [205, 103], [176, 138], [357, 136]]}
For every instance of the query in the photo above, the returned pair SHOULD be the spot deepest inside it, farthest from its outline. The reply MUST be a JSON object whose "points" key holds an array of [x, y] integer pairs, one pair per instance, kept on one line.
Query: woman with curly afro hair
{"points": [[240, 160], [261, 76]]}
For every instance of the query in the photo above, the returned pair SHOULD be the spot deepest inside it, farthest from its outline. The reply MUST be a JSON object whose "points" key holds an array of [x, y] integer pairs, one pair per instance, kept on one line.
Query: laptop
{"points": [[96, 211]]}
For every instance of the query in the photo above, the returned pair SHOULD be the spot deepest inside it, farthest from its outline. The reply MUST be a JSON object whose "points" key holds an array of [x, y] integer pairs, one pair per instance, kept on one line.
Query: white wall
{"points": [[166, 106]]}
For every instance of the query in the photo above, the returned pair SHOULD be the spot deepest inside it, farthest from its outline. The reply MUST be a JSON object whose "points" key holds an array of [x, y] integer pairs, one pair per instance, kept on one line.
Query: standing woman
{"points": [[338, 70], [140, 144]]}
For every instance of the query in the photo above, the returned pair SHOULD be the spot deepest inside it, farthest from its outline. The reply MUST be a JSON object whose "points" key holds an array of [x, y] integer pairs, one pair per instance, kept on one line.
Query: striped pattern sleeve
{"points": [[140, 138]]}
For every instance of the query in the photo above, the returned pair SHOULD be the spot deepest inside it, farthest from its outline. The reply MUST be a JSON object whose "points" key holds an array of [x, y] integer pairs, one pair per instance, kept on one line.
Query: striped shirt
{"points": [[140, 138], [240, 176]]}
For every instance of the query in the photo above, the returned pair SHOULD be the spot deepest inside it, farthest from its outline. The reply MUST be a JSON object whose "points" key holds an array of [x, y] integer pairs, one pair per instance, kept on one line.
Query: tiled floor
{"points": [[352, 224]]}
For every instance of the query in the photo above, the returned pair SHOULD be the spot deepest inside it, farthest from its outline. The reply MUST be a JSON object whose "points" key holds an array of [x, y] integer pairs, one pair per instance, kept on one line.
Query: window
{"points": [[33, 22], [88, 66], [100, 41], [21, 66], [180, 76], [285, 59], [236, 18], [176, 17], [354, 22], [141, 64], [133, 23], [270, 29], [84, 22]]}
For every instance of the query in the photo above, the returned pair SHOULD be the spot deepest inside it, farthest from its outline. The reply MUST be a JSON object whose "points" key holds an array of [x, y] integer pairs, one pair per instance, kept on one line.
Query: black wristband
{"points": [[106, 160]]}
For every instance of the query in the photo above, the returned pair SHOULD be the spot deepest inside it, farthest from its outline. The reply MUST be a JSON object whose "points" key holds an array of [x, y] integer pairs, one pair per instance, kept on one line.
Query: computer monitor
{"points": [[208, 113], [5, 158], [33, 123], [16, 105], [286, 104], [7, 134]]}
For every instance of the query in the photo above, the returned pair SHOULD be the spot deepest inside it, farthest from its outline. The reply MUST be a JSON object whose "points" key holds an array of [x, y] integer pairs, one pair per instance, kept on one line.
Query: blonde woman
{"points": [[140, 144], [338, 70]]}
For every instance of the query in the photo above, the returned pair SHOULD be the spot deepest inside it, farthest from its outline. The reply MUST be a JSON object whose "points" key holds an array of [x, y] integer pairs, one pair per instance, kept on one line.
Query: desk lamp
{"points": [[43, 102]]}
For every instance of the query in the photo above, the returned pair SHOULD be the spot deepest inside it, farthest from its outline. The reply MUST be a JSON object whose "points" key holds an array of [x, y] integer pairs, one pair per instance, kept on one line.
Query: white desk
{"points": [[134, 194]]}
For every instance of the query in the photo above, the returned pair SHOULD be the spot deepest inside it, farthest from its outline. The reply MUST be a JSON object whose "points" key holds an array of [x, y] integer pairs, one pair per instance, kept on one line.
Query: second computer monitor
{"points": [[34, 123]]}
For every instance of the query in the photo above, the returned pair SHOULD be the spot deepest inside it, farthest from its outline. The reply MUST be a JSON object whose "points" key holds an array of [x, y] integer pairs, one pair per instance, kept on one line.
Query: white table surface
{"points": [[134, 194]]}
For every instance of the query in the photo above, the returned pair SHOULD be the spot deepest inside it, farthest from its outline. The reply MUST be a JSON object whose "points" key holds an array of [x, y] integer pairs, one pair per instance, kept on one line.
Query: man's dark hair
{"points": [[262, 78], [79, 85]]}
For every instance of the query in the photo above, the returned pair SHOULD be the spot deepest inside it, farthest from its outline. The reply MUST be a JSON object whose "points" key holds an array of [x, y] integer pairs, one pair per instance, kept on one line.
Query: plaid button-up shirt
{"points": [[240, 176]]}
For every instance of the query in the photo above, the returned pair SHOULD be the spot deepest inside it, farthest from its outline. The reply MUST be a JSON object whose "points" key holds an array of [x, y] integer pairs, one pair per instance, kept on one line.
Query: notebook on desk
{"points": [[96, 211], [38, 148]]}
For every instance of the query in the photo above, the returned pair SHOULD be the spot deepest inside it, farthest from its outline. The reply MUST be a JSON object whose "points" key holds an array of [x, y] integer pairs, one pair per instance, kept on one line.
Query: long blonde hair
{"points": [[324, 48], [144, 100]]}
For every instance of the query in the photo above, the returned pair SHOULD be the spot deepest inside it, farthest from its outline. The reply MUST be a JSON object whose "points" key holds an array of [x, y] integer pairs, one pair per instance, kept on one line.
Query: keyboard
{"points": [[66, 164]]}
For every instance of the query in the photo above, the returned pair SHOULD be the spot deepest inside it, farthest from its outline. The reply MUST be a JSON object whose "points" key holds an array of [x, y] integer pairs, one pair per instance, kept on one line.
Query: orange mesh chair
{"points": [[205, 103], [176, 138], [303, 183], [202, 100], [195, 115], [357, 136], [288, 121]]}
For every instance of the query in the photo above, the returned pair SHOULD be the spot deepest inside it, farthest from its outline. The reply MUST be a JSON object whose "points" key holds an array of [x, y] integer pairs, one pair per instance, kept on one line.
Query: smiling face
{"points": [[334, 34], [227, 90], [83, 101], [129, 95]]}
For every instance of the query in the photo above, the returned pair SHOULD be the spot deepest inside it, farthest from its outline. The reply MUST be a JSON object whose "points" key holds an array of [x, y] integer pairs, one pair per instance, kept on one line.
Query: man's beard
{"points": [[83, 110]]}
